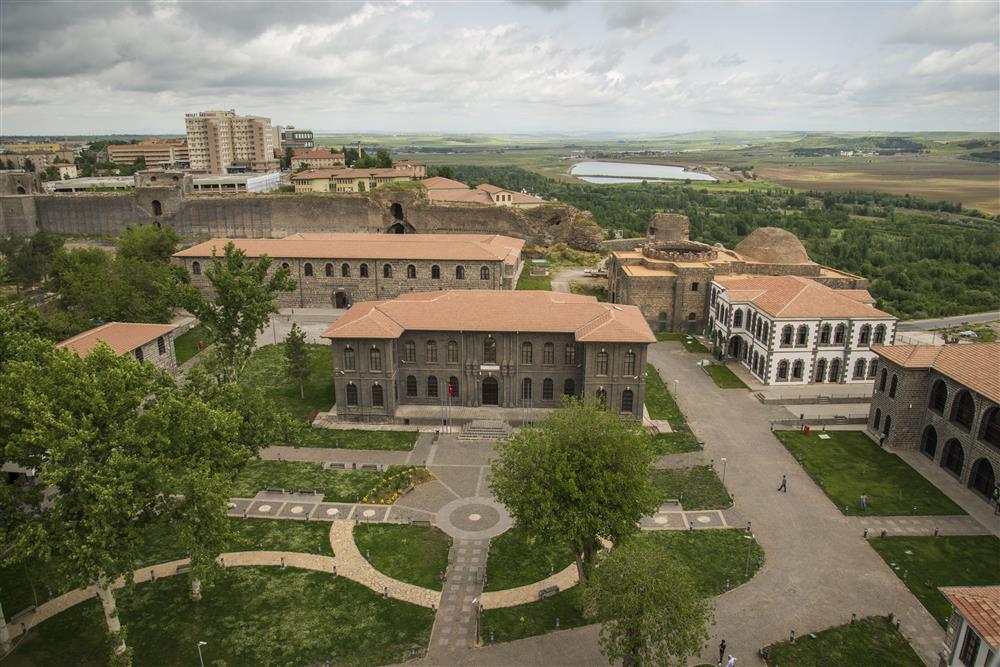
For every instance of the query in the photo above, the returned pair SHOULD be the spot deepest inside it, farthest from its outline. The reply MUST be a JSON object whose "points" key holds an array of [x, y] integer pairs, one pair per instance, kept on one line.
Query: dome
{"points": [[772, 245]]}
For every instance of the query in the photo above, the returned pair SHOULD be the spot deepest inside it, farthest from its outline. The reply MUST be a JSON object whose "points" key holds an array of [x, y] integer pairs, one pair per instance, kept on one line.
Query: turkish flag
{"points": [[451, 390]]}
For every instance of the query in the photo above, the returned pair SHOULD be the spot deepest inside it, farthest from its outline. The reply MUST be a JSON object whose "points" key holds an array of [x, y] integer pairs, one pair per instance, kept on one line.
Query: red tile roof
{"points": [[442, 183], [317, 153], [122, 337], [974, 365], [495, 311], [796, 297], [980, 606]]}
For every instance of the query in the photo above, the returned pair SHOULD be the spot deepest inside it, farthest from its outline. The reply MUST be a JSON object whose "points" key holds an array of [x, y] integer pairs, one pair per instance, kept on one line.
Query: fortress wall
{"points": [[97, 214], [17, 216]]}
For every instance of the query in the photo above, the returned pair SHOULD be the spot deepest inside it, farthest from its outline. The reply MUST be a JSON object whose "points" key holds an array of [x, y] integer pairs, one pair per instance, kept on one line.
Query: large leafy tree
{"points": [[29, 259], [148, 243], [245, 293], [649, 606], [581, 476], [296, 358]]}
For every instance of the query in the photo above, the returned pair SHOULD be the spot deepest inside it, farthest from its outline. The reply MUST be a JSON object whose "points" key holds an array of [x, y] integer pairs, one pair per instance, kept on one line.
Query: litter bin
{"points": [[805, 429]]}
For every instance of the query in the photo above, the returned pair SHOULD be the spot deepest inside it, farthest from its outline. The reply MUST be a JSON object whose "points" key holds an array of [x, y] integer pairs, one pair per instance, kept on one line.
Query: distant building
{"points": [[973, 637], [222, 142], [156, 152], [237, 183], [440, 189], [146, 342], [290, 137], [352, 180], [38, 159], [64, 171], [86, 183], [317, 158], [31, 148]]}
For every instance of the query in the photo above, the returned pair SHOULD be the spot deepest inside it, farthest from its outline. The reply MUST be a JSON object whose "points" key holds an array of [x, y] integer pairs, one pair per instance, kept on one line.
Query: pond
{"points": [[633, 172]]}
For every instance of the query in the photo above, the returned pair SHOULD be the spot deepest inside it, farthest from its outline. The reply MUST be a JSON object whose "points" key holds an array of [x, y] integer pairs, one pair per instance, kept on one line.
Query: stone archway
{"points": [[339, 299], [491, 391], [401, 227], [953, 457], [397, 211], [982, 478]]}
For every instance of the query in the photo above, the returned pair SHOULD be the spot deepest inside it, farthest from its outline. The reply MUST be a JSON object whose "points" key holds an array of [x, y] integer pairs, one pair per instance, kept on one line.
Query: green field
{"points": [[674, 443], [413, 554], [690, 343], [660, 403], [724, 377], [870, 641], [529, 282], [186, 345], [346, 486], [517, 559], [697, 488]]}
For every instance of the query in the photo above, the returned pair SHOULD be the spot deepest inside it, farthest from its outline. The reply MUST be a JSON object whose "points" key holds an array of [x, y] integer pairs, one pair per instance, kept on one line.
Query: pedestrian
{"points": [[881, 439], [722, 650], [784, 484], [732, 661], [864, 502]]}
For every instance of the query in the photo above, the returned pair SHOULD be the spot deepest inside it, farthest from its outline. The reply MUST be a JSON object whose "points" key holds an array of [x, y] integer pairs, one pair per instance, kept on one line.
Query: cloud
{"points": [[670, 51], [729, 60], [982, 59], [635, 16], [546, 5], [957, 22]]}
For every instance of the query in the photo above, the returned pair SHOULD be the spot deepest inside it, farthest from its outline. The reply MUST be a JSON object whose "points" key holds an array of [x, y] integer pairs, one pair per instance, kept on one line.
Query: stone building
{"points": [[317, 158], [942, 400], [447, 190], [343, 269], [788, 329], [403, 359], [349, 179], [973, 637], [146, 342], [666, 275]]}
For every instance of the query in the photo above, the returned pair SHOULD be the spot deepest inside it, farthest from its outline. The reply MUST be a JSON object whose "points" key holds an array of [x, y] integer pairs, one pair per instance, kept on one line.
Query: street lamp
{"points": [[723, 459], [200, 659], [749, 537], [675, 389]]}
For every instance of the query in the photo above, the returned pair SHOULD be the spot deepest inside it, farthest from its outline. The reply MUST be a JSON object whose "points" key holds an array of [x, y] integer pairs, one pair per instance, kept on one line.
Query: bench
{"points": [[547, 592], [420, 522], [271, 489], [184, 568], [330, 465], [368, 466]]}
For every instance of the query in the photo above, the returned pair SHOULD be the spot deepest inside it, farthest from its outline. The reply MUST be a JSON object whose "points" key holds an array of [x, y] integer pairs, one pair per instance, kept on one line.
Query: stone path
{"points": [[896, 526], [565, 578], [456, 621]]}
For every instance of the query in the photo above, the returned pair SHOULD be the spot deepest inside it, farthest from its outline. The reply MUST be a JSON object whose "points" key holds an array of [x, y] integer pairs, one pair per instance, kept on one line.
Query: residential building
{"points": [[338, 270], [221, 142], [247, 182], [490, 350], [317, 158], [39, 159], [973, 637], [789, 329], [63, 170], [31, 148], [351, 180], [942, 400], [290, 137], [146, 342], [440, 189], [91, 183], [156, 152]]}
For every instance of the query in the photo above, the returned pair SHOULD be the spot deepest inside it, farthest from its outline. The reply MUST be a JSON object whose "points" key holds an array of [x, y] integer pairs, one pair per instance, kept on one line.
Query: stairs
{"points": [[485, 429]]}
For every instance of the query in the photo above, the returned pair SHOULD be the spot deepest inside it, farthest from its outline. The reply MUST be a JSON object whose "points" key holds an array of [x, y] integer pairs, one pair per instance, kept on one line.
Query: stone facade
{"points": [[159, 352]]}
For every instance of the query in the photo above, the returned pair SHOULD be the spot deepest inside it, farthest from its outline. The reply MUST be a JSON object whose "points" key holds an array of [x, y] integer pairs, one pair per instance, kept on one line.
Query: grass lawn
{"points": [[849, 464], [530, 282], [698, 487], [534, 618], [941, 561], [414, 554], [675, 443], [870, 641], [345, 486], [266, 371], [400, 441], [690, 343], [21, 586], [250, 616], [723, 377], [518, 560], [186, 345], [586, 289], [659, 402]]}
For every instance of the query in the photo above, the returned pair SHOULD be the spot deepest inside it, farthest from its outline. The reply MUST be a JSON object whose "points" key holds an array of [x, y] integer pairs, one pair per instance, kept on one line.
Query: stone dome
{"points": [[773, 246]]}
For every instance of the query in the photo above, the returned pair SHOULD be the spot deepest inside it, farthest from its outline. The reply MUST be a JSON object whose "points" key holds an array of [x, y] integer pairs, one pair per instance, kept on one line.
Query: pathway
{"points": [[455, 625], [561, 279], [913, 526]]}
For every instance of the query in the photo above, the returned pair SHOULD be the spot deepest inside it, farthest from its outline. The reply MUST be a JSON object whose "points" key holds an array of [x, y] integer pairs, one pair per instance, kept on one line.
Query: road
{"points": [[944, 322]]}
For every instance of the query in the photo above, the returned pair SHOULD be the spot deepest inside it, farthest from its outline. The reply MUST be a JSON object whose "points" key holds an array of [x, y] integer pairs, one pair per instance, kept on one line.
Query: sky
{"points": [[501, 67]]}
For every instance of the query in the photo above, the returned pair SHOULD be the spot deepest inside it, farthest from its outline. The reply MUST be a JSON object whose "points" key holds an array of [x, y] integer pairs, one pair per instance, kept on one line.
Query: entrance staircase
{"points": [[485, 429]]}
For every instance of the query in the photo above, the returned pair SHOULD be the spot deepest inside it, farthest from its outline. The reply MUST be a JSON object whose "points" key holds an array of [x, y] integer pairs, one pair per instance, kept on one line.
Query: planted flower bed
{"points": [[390, 488]]}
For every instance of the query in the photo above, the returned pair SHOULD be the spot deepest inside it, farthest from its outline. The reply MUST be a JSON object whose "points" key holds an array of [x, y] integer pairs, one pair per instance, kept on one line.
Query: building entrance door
{"points": [[339, 300], [491, 392]]}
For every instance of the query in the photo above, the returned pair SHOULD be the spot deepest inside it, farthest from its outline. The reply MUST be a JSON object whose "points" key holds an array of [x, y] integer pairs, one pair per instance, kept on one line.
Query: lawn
{"points": [[870, 641], [186, 345], [930, 562], [675, 443], [414, 554], [347, 486], [587, 289], [534, 618], [250, 616], [400, 441], [517, 559], [697, 488], [690, 343], [659, 402], [266, 371], [850, 464], [530, 282], [723, 377]]}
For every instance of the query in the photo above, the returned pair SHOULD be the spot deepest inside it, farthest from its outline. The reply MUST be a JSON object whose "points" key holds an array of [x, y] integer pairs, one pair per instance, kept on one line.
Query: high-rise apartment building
{"points": [[289, 137], [222, 142]]}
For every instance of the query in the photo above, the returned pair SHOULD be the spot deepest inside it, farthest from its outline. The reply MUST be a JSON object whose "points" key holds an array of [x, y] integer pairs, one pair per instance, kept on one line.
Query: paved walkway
{"points": [[565, 578], [897, 526], [456, 620]]}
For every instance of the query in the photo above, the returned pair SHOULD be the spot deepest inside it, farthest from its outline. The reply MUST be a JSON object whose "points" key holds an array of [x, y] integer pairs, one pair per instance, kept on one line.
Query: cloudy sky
{"points": [[93, 67]]}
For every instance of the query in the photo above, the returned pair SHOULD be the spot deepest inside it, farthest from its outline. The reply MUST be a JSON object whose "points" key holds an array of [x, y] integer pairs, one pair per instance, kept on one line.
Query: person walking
{"points": [[784, 484], [732, 661], [722, 650], [864, 502]]}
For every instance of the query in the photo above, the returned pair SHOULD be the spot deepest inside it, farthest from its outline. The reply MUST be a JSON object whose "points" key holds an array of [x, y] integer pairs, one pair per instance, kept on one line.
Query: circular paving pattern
{"points": [[660, 520], [473, 518], [297, 509], [704, 519], [264, 508], [332, 511], [368, 513]]}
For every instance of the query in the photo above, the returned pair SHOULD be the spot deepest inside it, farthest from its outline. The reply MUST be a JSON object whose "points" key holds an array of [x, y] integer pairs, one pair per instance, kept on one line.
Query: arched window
{"points": [[452, 352], [352, 394], [157, 208], [459, 273], [892, 386], [570, 354], [990, 431], [628, 364], [387, 270], [345, 270], [435, 272], [431, 352], [782, 370], [328, 270], [547, 389], [864, 337], [307, 269], [872, 367], [490, 351], [526, 388], [797, 369], [602, 363], [484, 273], [820, 374], [569, 387], [982, 479], [196, 268], [602, 397], [878, 418], [859, 369], [526, 353], [375, 359], [453, 387], [928, 441], [757, 328], [953, 457], [363, 271], [802, 336], [432, 386], [787, 332], [888, 425], [939, 396], [411, 271], [835, 370], [692, 317], [411, 386], [964, 409], [284, 265], [627, 402], [824, 334], [738, 319], [409, 351], [350, 362], [838, 334], [883, 379], [378, 397], [662, 322], [767, 331], [549, 354], [880, 334]]}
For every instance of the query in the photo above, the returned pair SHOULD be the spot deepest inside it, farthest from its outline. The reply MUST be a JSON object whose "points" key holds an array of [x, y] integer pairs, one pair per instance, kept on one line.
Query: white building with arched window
{"points": [[789, 329]]}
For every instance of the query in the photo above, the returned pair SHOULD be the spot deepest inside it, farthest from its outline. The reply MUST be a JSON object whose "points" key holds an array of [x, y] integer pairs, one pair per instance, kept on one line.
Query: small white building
{"points": [[973, 638], [789, 329]]}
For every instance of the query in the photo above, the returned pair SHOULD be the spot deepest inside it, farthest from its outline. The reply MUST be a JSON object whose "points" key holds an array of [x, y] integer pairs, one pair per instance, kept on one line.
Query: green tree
{"points": [[286, 161], [28, 164], [296, 358], [139, 164], [650, 610], [50, 173], [30, 259], [148, 243], [382, 158], [244, 301], [302, 167], [580, 476]]}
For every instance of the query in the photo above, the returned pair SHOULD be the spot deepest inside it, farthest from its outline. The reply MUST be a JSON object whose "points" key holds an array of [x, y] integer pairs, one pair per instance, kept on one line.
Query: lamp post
{"points": [[723, 459], [675, 389], [200, 659], [749, 537]]}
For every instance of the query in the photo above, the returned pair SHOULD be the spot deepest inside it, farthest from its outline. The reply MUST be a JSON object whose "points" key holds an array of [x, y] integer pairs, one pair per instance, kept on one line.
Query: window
{"points": [[662, 322], [411, 271], [797, 368], [157, 207], [459, 273], [570, 354], [431, 352], [627, 400], [602, 397], [882, 380], [820, 374], [432, 386], [692, 317], [526, 353], [872, 367], [939, 396], [328, 269], [864, 337], [409, 351], [411, 386], [892, 386], [602, 363], [628, 364], [569, 387], [880, 334], [453, 387], [375, 359], [758, 327], [970, 648], [878, 418], [452, 352], [526, 389], [363, 271], [802, 335], [838, 334], [378, 397], [196, 268], [547, 389], [307, 269], [138, 354], [350, 363], [284, 265], [990, 432], [964, 409], [345, 270], [161, 345], [490, 351], [387, 270], [859, 369], [835, 370], [352, 394], [484, 273], [738, 319], [786, 335], [694, 287], [549, 354], [436, 272], [783, 370], [767, 330], [824, 335]]}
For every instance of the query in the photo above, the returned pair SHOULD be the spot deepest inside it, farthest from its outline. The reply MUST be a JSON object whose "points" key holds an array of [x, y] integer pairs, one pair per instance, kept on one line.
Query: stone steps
{"points": [[483, 429]]}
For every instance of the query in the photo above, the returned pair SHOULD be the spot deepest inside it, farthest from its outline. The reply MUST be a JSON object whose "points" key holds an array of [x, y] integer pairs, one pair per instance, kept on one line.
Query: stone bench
{"points": [[374, 467], [420, 522], [270, 489], [331, 465], [186, 567], [547, 592]]}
